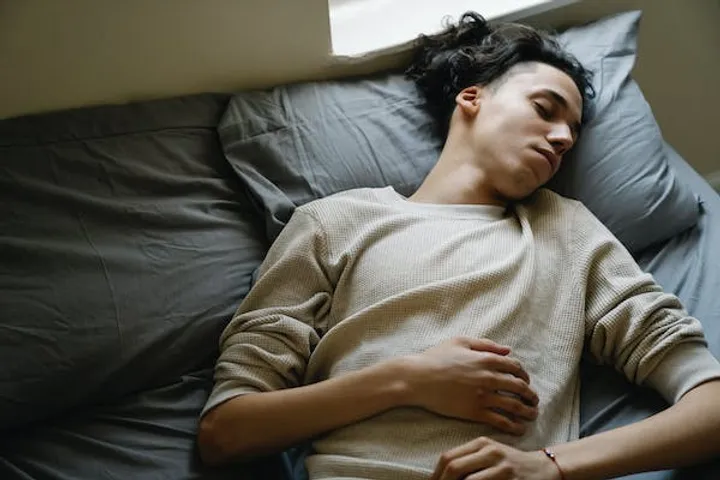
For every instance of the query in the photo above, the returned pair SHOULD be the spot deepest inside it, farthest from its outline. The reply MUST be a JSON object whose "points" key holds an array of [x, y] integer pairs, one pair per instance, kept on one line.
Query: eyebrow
{"points": [[575, 127]]}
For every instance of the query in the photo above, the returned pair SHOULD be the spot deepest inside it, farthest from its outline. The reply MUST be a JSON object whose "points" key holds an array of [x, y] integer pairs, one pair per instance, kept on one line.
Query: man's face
{"points": [[523, 126]]}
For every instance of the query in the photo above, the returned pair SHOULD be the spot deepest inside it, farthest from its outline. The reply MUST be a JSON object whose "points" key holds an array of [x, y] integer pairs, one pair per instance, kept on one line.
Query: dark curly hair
{"points": [[472, 52]]}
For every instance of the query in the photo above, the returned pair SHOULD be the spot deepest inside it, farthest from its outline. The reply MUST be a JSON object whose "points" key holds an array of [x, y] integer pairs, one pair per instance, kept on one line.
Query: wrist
{"points": [[551, 464], [400, 373]]}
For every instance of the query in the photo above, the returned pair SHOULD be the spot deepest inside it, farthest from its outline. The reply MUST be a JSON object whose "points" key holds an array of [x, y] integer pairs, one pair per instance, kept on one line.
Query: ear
{"points": [[468, 100]]}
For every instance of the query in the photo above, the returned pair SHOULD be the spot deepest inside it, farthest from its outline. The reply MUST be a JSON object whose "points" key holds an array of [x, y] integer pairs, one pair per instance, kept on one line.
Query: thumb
{"points": [[485, 345]]}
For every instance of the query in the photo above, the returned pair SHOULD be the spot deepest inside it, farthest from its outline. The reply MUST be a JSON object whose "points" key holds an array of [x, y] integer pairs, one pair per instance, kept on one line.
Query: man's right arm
{"points": [[459, 378], [259, 424]]}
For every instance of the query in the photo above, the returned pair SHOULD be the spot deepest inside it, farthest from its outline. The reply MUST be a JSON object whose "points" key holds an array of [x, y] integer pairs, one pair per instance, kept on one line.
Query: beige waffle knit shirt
{"points": [[365, 275]]}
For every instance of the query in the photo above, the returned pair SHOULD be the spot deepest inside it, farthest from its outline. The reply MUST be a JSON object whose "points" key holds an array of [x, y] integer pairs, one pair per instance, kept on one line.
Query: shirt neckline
{"points": [[447, 210]]}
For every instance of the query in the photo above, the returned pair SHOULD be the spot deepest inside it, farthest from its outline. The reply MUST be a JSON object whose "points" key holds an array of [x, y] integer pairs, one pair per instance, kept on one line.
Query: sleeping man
{"points": [[440, 336]]}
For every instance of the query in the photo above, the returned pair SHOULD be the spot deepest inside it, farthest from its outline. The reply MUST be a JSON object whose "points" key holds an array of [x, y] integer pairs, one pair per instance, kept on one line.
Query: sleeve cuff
{"points": [[222, 393], [682, 369]]}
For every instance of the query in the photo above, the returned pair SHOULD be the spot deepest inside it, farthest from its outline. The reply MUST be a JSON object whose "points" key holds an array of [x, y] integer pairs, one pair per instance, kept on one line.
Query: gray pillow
{"points": [[126, 243], [296, 143], [619, 167]]}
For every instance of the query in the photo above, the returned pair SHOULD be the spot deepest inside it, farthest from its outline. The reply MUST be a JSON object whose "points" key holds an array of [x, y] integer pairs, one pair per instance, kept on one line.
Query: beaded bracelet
{"points": [[551, 455]]}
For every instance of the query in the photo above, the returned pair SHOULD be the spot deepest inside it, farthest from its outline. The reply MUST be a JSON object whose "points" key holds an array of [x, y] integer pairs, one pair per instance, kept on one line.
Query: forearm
{"points": [[262, 423], [686, 433]]}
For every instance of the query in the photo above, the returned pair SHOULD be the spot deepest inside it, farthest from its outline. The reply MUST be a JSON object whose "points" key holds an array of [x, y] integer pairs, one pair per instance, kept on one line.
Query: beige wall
{"points": [[62, 53], [59, 54]]}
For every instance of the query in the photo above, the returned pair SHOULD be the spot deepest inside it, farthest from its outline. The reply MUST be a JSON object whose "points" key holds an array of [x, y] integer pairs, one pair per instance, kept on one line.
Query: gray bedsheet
{"points": [[126, 244], [150, 435]]}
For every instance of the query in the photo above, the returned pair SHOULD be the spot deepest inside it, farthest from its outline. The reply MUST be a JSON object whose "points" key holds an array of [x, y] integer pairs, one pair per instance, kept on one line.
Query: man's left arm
{"points": [[646, 334], [684, 434]]}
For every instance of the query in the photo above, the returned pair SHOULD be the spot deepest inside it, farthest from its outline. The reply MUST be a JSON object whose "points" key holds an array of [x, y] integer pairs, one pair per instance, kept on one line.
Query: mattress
{"points": [[140, 422]]}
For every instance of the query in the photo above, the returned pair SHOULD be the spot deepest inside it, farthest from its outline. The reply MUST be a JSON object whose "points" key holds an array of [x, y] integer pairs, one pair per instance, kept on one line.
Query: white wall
{"points": [[65, 53]]}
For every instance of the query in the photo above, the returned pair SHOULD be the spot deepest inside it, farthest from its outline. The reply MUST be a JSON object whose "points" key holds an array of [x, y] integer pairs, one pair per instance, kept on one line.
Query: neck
{"points": [[457, 178]]}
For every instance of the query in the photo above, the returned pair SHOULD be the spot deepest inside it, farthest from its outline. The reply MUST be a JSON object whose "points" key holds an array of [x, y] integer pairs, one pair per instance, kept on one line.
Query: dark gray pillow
{"points": [[293, 144], [126, 243]]}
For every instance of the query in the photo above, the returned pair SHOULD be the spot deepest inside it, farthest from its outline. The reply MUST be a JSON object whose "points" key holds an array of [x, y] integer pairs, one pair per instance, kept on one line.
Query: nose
{"points": [[561, 138]]}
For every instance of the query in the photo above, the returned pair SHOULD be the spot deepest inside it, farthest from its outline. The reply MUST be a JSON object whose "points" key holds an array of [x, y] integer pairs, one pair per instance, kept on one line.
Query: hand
{"points": [[474, 380], [486, 459]]}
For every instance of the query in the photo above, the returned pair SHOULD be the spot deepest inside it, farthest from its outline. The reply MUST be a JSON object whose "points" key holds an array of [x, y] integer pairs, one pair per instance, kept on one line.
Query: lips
{"points": [[552, 159]]}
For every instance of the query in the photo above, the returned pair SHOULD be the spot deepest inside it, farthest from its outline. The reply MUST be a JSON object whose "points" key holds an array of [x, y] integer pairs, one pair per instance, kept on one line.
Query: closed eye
{"points": [[543, 111]]}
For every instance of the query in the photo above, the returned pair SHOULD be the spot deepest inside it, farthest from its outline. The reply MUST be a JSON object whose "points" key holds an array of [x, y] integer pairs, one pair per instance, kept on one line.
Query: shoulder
{"points": [[586, 232], [342, 218], [347, 205], [565, 219]]}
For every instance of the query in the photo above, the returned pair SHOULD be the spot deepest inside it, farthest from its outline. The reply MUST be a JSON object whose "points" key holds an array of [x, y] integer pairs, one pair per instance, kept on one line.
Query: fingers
{"points": [[499, 362], [502, 422], [460, 467], [507, 383], [511, 406], [506, 365], [484, 345], [456, 453], [497, 472]]}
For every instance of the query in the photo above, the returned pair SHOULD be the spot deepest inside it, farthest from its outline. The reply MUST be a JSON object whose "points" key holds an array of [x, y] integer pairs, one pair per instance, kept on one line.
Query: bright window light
{"points": [[362, 27]]}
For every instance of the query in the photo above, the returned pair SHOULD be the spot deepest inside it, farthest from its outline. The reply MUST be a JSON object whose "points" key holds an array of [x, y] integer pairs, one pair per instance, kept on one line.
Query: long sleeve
{"points": [[267, 344], [631, 323]]}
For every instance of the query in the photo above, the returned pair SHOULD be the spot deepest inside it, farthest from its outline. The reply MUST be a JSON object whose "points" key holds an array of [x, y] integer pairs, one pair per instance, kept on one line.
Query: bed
{"points": [[129, 234]]}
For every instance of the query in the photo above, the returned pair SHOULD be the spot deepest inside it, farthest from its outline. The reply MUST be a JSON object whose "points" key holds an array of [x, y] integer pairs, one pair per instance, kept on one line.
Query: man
{"points": [[439, 336]]}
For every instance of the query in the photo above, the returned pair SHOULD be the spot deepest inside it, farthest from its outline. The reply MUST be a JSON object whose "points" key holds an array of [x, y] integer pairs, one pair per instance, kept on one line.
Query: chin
{"points": [[521, 190]]}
